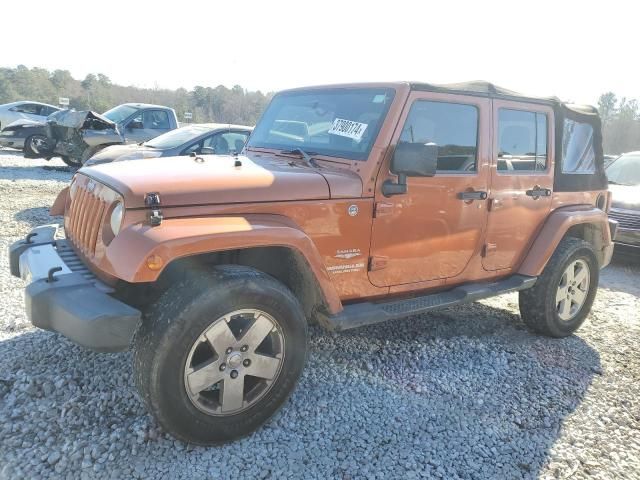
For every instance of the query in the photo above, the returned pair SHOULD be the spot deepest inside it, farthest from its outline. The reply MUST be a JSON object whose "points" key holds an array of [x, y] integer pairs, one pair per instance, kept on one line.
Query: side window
{"points": [[522, 141], [30, 108], [156, 119], [235, 140], [196, 147], [226, 143], [136, 122], [578, 155], [451, 126]]}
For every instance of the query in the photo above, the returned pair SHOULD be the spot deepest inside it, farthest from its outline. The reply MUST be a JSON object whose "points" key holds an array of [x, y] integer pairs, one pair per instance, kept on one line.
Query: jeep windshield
{"points": [[336, 122]]}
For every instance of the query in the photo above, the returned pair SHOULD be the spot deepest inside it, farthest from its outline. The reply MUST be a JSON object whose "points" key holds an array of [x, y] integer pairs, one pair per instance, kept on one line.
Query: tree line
{"points": [[97, 92], [620, 123], [620, 116]]}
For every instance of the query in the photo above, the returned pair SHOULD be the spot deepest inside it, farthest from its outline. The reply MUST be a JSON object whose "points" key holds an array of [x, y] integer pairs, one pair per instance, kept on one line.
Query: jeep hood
{"points": [[211, 179]]}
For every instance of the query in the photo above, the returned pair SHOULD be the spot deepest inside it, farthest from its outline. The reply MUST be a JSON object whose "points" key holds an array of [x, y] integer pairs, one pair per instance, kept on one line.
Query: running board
{"points": [[368, 313]]}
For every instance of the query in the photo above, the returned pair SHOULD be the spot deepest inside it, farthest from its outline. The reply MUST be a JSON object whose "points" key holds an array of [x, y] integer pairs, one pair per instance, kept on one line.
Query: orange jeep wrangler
{"points": [[350, 205]]}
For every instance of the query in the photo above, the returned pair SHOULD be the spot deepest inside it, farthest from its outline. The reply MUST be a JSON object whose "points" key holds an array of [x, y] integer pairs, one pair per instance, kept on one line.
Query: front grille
{"points": [[85, 214], [626, 218]]}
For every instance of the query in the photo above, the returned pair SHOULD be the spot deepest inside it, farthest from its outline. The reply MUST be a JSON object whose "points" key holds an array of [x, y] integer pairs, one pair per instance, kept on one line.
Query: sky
{"points": [[572, 49]]}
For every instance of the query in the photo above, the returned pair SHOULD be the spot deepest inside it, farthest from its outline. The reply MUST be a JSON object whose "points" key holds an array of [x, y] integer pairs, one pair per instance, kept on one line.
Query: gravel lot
{"points": [[462, 393]]}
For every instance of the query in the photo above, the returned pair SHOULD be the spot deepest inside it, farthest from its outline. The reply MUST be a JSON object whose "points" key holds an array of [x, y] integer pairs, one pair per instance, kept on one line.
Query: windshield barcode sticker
{"points": [[347, 128]]}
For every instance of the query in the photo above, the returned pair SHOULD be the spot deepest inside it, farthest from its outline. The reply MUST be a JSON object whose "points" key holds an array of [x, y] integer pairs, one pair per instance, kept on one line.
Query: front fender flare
{"points": [[183, 237]]}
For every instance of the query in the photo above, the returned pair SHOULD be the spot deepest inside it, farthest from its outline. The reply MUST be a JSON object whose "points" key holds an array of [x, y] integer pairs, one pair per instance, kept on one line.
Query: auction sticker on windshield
{"points": [[348, 128]]}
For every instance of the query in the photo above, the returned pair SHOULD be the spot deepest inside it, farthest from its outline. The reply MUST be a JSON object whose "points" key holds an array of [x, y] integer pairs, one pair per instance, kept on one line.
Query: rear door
{"points": [[433, 230], [521, 180]]}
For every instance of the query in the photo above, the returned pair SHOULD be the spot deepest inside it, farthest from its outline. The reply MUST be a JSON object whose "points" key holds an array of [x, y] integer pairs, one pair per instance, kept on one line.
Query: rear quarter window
{"points": [[578, 153]]}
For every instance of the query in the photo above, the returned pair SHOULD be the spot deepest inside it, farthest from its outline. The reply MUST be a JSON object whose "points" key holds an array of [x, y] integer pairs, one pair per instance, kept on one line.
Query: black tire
{"points": [[538, 306], [28, 149], [72, 162], [179, 318]]}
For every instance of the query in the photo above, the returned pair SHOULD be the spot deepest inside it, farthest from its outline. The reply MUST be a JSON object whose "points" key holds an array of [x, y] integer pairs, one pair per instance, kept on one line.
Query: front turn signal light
{"points": [[154, 262]]}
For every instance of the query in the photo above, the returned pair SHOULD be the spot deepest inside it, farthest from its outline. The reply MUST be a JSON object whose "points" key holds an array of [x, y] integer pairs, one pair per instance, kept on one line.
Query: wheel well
{"points": [[589, 232], [284, 264]]}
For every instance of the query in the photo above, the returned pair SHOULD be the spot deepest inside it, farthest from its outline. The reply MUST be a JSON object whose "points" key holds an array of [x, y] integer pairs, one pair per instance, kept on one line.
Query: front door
{"points": [[521, 181], [433, 230]]}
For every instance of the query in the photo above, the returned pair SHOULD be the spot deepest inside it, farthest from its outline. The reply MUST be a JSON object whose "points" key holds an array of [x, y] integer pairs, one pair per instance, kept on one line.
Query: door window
{"points": [[451, 126], [226, 143], [30, 108], [522, 141], [156, 120]]}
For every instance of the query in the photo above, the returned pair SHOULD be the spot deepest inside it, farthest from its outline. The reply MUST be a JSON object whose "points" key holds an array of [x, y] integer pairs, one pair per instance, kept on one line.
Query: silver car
{"points": [[204, 138], [35, 111]]}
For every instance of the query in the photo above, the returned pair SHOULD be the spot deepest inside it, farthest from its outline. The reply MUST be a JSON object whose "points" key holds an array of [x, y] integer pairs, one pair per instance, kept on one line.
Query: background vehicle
{"points": [[351, 205], [207, 138], [76, 136], [624, 185], [35, 111], [609, 158]]}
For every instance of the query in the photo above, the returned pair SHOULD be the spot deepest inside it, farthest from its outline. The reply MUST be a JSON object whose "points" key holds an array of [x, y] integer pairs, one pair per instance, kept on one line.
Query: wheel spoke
{"points": [[204, 377], [257, 332], [581, 275], [263, 367], [570, 273], [561, 294], [220, 337], [579, 296], [565, 308], [232, 395]]}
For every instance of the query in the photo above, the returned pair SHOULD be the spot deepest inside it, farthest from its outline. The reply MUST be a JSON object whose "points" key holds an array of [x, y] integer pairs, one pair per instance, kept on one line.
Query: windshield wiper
{"points": [[613, 182], [304, 155]]}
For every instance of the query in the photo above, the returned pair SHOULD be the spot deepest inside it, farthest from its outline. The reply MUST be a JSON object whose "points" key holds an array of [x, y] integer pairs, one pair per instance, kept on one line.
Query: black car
{"points": [[624, 185]]}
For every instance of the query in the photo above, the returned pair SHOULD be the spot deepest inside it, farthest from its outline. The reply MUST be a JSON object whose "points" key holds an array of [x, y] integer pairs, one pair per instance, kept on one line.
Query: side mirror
{"points": [[134, 124], [411, 160], [208, 151]]}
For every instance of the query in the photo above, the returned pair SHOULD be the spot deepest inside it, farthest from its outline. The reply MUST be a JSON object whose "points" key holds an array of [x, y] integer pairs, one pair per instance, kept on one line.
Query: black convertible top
{"points": [[481, 88]]}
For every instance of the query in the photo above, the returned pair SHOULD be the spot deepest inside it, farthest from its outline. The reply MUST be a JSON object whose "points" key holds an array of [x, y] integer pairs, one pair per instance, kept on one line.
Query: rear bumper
{"points": [[63, 296]]}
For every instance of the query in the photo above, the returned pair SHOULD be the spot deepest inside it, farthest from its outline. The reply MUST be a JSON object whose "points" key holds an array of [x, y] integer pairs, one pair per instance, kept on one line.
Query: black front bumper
{"points": [[67, 298]]}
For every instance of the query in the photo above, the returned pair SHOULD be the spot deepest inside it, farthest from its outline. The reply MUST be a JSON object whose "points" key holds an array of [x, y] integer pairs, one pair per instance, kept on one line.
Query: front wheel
{"points": [[220, 353], [37, 146], [72, 162], [562, 297]]}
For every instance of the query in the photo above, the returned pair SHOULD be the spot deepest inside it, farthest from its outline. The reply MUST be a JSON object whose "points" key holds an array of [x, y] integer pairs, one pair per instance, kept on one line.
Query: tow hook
{"points": [[153, 200]]}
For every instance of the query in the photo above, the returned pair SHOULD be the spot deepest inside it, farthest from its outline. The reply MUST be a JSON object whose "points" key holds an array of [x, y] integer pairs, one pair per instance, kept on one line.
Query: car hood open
{"points": [[211, 179], [81, 120]]}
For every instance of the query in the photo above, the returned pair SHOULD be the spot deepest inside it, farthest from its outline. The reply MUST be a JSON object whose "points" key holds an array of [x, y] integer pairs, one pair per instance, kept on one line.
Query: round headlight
{"points": [[116, 218]]}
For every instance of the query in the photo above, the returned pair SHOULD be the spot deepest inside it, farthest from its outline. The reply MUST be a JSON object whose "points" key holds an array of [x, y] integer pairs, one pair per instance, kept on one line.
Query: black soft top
{"points": [[480, 88]]}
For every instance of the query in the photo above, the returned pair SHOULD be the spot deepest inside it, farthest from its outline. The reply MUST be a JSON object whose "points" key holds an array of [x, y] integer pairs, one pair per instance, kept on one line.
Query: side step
{"points": [[368, 313]]}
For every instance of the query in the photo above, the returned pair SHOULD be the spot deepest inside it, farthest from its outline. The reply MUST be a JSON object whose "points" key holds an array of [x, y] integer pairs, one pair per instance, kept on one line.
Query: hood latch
{"points": [[152, 200]]}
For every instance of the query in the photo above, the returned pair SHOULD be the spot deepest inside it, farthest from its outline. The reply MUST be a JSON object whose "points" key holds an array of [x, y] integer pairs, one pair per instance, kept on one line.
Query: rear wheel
{"points": [[562, 297], [220, 353]]}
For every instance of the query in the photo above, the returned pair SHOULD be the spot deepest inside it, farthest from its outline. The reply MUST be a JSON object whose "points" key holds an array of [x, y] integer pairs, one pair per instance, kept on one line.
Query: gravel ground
{"points": [[462, 393]]}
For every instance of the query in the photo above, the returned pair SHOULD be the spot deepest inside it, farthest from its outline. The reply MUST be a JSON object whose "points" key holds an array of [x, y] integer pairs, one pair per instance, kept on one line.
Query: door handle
{"points": [[537, 191], [472, 195]]}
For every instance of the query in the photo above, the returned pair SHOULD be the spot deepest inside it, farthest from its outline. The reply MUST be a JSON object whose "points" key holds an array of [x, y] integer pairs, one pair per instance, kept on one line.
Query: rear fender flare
{"points": [[558, 225]]}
